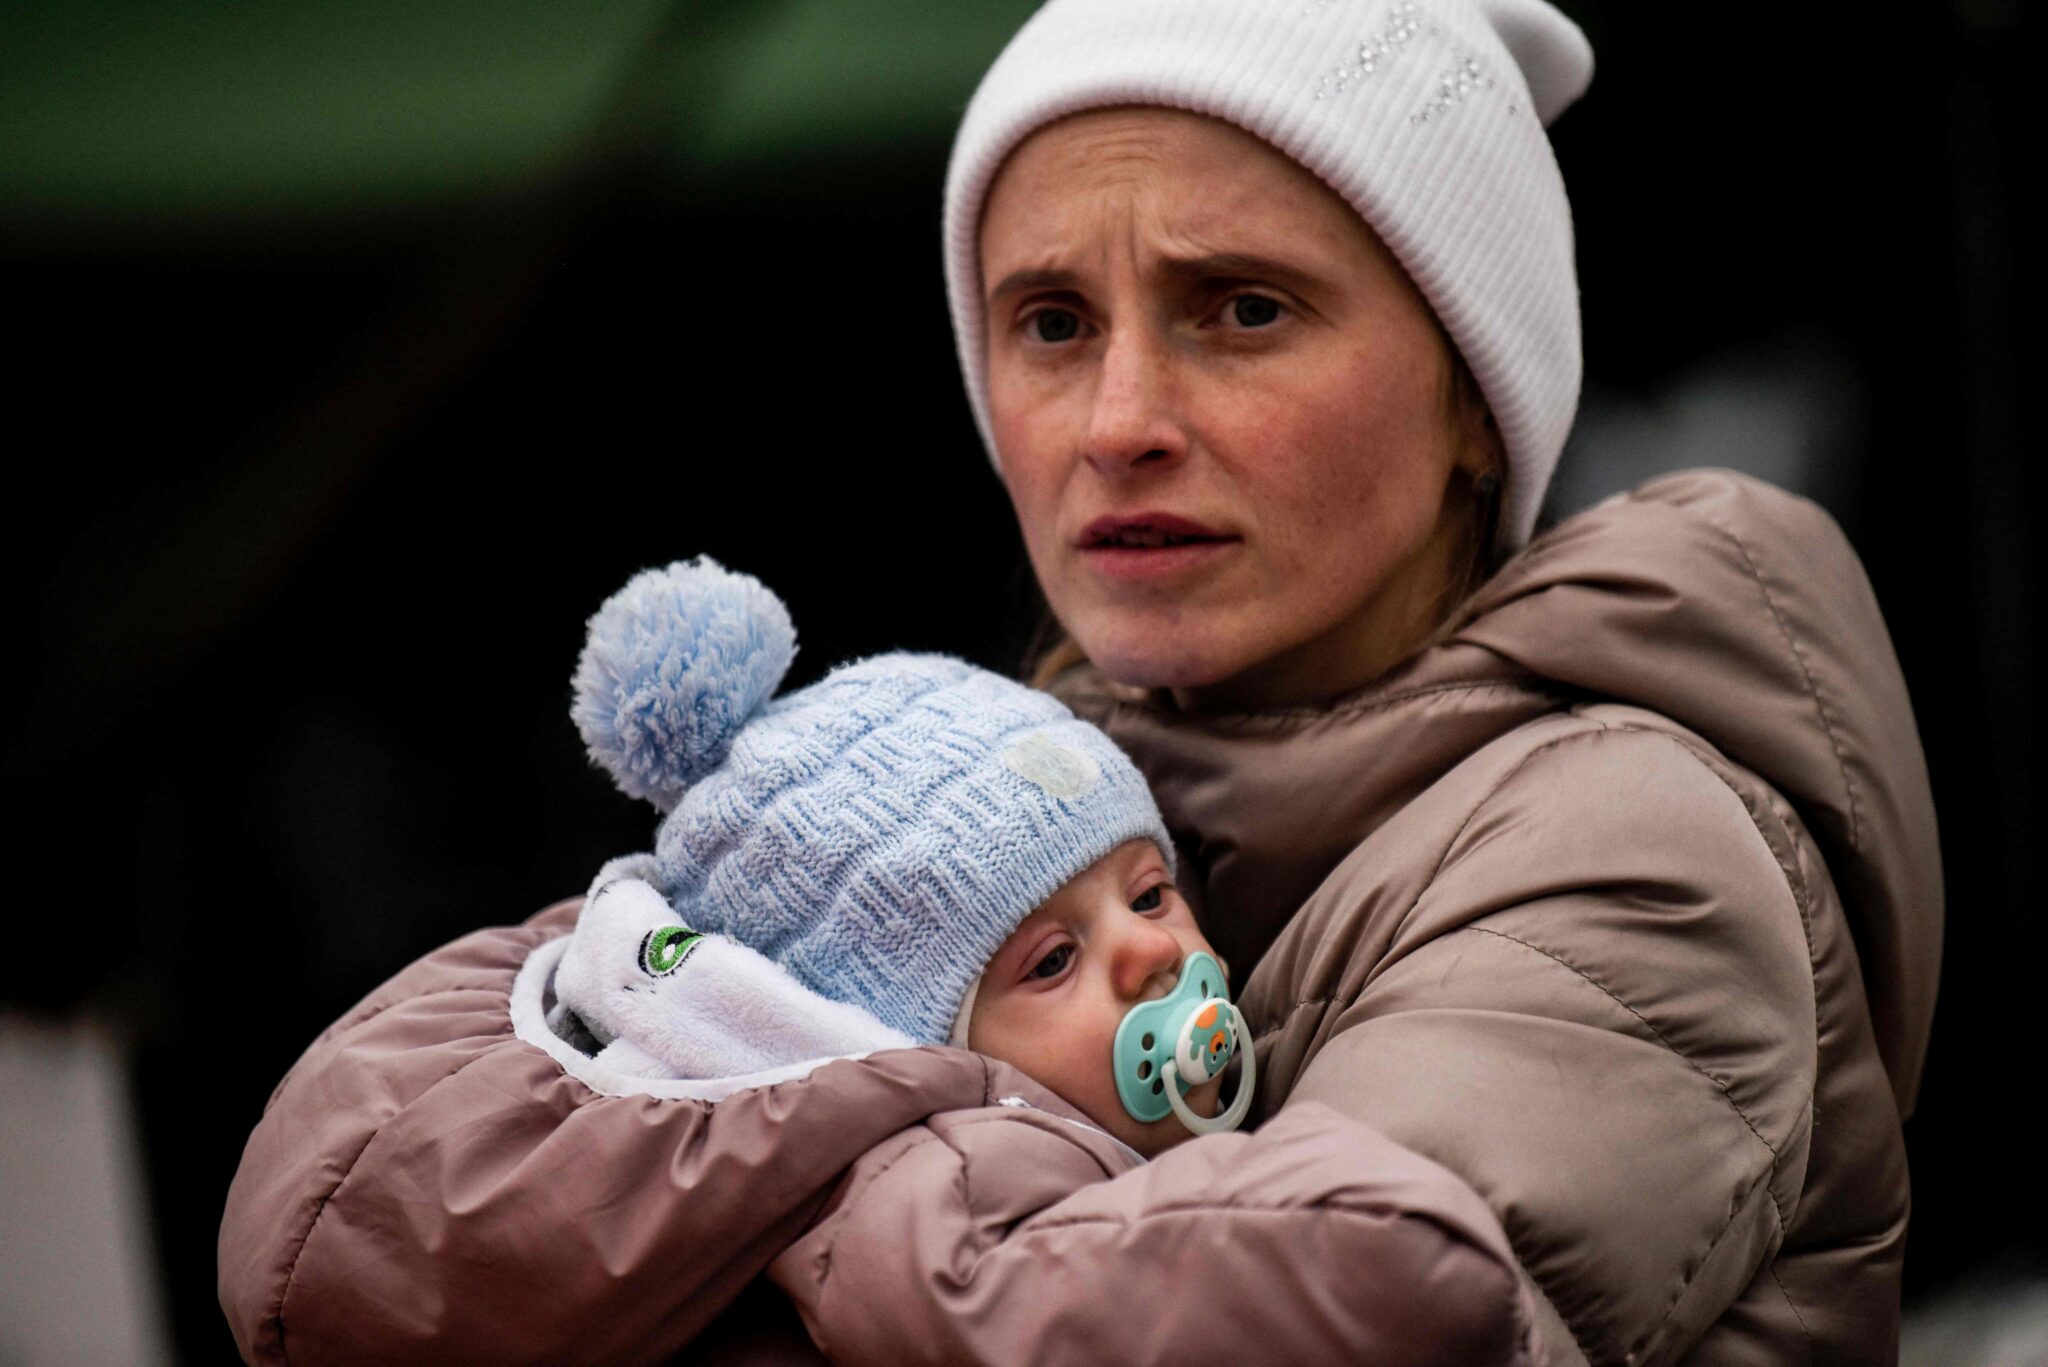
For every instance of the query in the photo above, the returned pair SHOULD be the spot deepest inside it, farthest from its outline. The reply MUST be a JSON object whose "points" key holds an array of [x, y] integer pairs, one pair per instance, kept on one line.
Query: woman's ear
{"points": [[1482, 455], [1480, 449]]}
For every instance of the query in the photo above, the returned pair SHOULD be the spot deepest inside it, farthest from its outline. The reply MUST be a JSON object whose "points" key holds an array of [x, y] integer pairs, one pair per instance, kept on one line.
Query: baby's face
{"points": [[1054, 994]]}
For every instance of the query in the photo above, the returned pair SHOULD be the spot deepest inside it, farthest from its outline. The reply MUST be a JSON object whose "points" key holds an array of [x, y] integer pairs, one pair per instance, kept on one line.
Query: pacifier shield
{"points": [[1192, 1027]]}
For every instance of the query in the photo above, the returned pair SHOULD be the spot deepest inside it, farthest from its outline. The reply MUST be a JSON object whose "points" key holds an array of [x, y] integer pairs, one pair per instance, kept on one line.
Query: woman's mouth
{"points": [[1150, 545]]}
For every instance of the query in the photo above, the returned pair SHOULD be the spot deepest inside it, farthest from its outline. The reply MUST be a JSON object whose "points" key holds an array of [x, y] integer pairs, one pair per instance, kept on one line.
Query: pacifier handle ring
{"points": [[1240, 1105]]}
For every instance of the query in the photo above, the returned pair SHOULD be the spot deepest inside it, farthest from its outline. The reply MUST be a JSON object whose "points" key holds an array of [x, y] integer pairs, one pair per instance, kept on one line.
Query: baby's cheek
{"points": [[1081, 1074], [1070, 1056]]}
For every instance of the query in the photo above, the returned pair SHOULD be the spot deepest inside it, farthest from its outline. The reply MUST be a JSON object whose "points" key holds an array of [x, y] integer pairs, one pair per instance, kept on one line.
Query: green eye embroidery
{"points": [[662, 951]]}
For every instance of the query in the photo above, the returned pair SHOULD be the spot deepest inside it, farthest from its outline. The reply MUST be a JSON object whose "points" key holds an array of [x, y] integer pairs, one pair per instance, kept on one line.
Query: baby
{"points": [[910, 851]]}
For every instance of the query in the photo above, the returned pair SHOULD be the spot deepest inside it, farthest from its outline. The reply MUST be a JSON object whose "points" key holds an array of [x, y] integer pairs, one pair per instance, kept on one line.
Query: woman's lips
{"points": [[1150, 545]]}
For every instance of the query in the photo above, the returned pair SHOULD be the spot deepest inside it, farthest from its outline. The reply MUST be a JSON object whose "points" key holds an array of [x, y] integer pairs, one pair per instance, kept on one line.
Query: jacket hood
{"points": [[1734, 609]]}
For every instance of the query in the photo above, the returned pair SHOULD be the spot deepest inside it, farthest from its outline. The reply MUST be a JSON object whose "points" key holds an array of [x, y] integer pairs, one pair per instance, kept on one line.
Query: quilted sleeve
{"points": [[1005, 1237], [425, 1186], [1598, 1010]]}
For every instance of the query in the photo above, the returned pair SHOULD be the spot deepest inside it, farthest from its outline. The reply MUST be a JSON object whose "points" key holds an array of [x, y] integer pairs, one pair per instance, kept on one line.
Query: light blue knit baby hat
{"points": [[879, 833]]}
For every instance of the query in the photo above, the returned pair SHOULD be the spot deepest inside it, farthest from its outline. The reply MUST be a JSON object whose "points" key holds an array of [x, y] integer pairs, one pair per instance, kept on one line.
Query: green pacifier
{"points": [[1165, 1048]]}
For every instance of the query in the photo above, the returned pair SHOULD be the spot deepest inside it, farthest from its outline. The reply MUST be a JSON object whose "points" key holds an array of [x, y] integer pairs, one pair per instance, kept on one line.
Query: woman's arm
{"points": [[993, 1237], [1595, 1003], [425, 1186]]}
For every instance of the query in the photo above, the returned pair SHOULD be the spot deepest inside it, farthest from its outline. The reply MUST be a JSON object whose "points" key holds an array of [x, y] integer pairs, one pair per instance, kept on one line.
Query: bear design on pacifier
{"points": [[1165, 1048]]}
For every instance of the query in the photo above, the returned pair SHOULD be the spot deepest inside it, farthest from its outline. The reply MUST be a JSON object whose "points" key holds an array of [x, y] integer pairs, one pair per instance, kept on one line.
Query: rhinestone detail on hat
{"points": [[1454, 87], [1401, 28]]}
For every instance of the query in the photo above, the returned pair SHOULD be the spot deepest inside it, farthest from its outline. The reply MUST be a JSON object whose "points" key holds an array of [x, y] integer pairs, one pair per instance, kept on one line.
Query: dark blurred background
{"points": [[361, 349]]}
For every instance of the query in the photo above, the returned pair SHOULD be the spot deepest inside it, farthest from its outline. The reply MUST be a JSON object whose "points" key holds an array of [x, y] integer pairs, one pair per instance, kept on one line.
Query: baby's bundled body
{"points": [[912, 851], [580, 1138]]}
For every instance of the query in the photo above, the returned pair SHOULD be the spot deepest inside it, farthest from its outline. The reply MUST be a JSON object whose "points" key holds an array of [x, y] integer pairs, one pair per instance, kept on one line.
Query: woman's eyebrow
{"points": [[1018, 282], [1241, 266], [1214, 266]]}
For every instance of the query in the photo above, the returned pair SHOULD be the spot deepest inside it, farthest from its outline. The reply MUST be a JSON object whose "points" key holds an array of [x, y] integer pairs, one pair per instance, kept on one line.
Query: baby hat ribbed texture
{"points": [[879, 833], [1427, 116]]}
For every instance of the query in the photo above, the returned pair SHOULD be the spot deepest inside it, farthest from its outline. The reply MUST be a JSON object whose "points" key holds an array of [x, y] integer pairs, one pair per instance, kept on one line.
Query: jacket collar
{"points": [[1262, 805], [1732, 608]]}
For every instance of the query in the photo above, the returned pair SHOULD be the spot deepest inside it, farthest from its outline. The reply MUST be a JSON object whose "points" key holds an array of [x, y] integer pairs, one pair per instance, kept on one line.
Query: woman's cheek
{"points": [[1355, 482], [1030, 477]]}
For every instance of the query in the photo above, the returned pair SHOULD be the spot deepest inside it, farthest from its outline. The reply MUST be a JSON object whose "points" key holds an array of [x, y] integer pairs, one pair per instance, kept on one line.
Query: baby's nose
{"points": [[1148, 961]]}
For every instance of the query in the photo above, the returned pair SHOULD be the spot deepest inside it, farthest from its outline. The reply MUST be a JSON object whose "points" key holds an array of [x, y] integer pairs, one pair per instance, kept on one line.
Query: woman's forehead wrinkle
{"points": [[1117, 143], [1202, 216]]}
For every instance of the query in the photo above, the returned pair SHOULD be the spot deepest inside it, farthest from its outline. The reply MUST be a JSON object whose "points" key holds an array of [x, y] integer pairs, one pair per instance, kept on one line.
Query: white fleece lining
{"points": [[529, 1023], [964, 1017]]}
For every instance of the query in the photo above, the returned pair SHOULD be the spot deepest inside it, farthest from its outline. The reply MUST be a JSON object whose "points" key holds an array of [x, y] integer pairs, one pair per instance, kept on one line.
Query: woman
{"points": [[1593, 879]]}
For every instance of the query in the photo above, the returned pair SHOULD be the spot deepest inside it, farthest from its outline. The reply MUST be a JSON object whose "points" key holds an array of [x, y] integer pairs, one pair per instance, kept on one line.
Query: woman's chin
{"points": [[1151, 655]]}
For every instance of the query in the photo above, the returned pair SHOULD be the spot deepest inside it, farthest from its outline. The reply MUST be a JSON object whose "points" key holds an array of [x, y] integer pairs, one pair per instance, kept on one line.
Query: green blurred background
{"points": [[322, 118]]}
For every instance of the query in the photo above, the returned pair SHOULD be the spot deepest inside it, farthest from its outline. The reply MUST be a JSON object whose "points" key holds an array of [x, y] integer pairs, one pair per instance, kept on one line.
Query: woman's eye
{"points": [[1054, 963], [1055, 325], [1150, 899], [1254, 311]]}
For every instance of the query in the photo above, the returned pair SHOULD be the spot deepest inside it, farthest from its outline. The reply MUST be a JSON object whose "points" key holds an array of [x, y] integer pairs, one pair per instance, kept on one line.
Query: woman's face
{"points": [[1221, 408]]}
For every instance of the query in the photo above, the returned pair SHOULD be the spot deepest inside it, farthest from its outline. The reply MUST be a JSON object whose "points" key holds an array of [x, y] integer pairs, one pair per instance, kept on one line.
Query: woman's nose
{"points": [[1132, 427], [1147, 956]]}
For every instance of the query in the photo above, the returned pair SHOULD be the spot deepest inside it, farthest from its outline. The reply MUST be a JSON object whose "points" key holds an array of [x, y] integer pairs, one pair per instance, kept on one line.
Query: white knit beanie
{"points": [[1427, 116]]}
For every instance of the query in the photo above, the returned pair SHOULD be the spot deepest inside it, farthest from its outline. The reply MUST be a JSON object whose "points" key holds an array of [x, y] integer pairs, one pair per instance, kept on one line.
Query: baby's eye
{"points": [[1150, 898], [1053, 964]]}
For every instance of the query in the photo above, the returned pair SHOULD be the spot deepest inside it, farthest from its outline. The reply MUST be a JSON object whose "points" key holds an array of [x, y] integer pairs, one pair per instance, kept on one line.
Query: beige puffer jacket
{"points": [[1621, 903]]}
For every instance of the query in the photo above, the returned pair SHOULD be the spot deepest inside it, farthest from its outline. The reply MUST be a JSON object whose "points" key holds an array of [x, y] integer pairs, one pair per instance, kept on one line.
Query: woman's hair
{"points": [[1483, 495], [1051, 652]]}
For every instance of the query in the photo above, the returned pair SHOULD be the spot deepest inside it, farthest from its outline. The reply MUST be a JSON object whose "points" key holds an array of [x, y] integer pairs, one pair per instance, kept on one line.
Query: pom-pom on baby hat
{"points": [[1426, 116], [879, 833]]}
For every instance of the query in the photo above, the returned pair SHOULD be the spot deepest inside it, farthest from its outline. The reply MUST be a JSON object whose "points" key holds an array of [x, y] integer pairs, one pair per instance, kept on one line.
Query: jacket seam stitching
{"points": [[1383, 1210], [332, 1032], [1287, 1018], [355, 1158], [1649, 1025], [1796, 883], [1384, 1214], [1376, 1213], [1605, 729], [1792, 878], [1378, 702], [1727, 1096], [1444, 858], [1671, 1306], [1514, 771], [1827, 722], [827, 1256], [1762, 1179], [1793, 1306]]}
